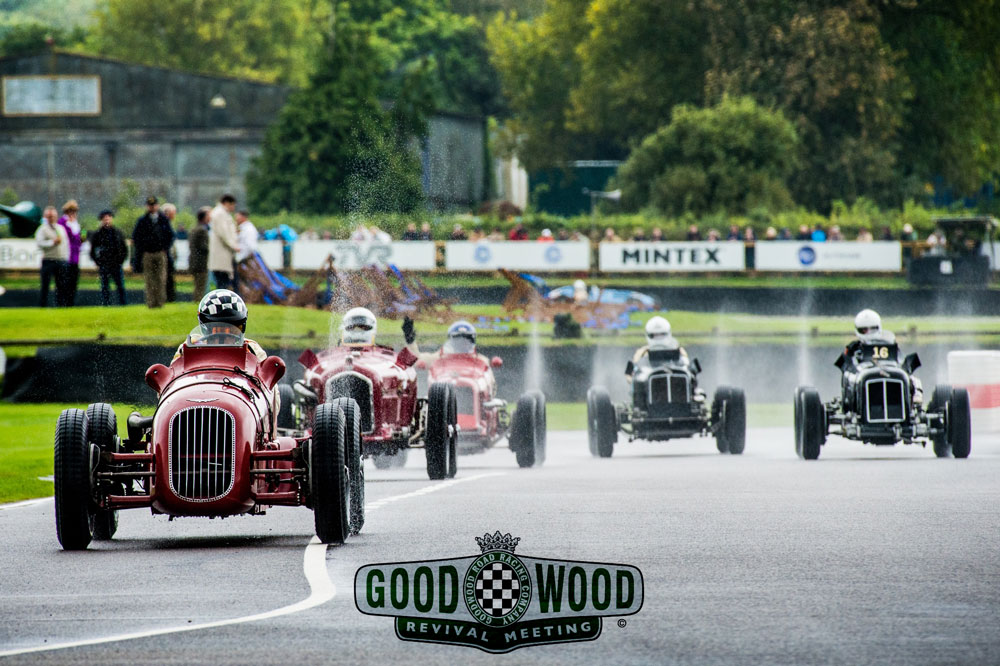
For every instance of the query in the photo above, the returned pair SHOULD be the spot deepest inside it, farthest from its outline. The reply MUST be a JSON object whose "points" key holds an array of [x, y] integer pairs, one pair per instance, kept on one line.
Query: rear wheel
{"points": [[541, 426], [960, 423], [812, 423], [355, 465], [74, 505], [732, 434], [437, 442], [940, 403], [286, 412], [524, 431], [102, 430], [328, 476], [602, 426]]}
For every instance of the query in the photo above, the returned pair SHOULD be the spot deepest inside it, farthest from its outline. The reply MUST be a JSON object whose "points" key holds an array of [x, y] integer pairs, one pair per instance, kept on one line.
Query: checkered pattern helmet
{"points": [[223, 306]]}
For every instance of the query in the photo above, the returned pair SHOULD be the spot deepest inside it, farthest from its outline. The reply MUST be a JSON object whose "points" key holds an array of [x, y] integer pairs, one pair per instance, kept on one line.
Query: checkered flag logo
{"points": [[222, 301], [497, 589]]}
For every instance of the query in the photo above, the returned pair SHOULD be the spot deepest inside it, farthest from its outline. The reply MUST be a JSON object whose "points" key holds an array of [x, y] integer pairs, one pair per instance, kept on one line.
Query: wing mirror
{"points": [[157, 377], [911, 363], [271, 370], [496, 362], [696, 366]]}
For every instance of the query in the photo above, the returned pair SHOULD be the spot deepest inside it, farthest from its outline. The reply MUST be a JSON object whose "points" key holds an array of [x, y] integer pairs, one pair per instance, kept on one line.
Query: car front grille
{"points": [[664, 387], [202, 457], [465, 400], [353, 385], [885, 401]]}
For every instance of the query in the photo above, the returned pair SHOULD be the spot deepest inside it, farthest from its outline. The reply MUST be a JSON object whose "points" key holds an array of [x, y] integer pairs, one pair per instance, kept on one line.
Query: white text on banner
{"points": [[829, 256], [672, 256], [351, 255], [517, 255]]}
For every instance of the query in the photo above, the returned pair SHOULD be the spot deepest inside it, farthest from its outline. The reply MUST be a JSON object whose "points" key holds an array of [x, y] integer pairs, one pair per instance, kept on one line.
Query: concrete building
{"points": [[75, 126]]}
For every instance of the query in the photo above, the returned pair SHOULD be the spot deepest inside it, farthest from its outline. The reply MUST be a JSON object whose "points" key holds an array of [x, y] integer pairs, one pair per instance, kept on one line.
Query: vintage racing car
{"points": [[666, 404], [881, 403], [390, 416], [482, 416], [210, 449]]}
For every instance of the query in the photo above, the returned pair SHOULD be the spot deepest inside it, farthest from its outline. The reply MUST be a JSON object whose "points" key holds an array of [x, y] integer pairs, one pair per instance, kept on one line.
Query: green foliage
{"points": [[732, 157], [333, 148], [271, 41], [25, 38], [8, 197]]}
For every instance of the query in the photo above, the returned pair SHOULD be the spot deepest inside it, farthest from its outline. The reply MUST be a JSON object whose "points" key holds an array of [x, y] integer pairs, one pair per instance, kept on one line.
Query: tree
{"points": [[333, 148], [272, 41], [29, 38], [828, 68], [732, 157]]}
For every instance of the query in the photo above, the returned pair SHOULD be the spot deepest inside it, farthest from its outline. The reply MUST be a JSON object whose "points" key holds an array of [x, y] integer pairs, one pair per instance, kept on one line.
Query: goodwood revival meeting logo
{"points": [[498, 601]]}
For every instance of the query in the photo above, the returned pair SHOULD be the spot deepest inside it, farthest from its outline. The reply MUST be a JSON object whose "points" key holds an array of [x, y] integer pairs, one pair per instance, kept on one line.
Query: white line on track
{"points": [[31, 502], [321, 588]]}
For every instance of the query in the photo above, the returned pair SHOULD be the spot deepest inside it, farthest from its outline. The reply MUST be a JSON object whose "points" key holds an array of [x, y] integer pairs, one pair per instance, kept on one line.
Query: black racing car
{"points": [[878, 406], [666, 404]]}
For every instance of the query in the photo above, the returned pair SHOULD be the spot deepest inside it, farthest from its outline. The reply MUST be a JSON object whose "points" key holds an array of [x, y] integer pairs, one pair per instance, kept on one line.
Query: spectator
{"points": [[495, 235], [109, 252], [309, 234], [749, 235], [865, 235], [198, 253], [411, 233], [657, 235], [170, 211], [458, 233], [546, 236], [818, 234], [785, 234], [835, 234], [152, 239], [562, 235], [771, 234], [181, 232], [327, 235], [610, 236], [378, 235], [909, 234], [693, 234], [52, 240], [69, 222], [734, 233], [576, 236], [477, 235], [713, 234], [361, 234], [425, 231], [887, 234], [247, 235], [518, 233], [223, 242], [639, 235], [804, 234]]}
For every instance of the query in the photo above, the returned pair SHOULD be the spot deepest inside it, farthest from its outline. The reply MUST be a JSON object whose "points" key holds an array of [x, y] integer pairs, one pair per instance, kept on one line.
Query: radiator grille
{"points": [[884, 398], [353, 385], [465, 400], [669, 388], [202, 457]]}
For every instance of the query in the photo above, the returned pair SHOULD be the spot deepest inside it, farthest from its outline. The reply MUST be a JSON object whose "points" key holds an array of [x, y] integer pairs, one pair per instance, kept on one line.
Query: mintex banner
{"points": [[830, 256], [351, 255], [517, 255], [672, 256]]}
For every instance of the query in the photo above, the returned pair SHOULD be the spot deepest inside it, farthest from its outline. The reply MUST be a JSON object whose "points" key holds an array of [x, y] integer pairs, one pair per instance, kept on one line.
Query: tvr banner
{"points": [[691, 256], [352, 255], [517, 255], [881, 256]]}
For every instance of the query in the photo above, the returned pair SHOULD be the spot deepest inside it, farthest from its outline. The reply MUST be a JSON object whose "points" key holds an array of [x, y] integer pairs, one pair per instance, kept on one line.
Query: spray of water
{"points": [[804, 358], [533, 380]]}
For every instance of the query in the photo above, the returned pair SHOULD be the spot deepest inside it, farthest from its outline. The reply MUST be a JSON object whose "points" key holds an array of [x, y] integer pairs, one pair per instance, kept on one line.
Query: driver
{"points": [[868, 329], [658, 336], [222, 306], [461, 340], [358, 329]]}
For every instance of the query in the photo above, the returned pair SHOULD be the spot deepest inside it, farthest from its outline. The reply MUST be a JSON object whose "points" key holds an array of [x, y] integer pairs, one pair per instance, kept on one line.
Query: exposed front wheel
{"points": [[729, 410], [940, 402], [541, 427], [812, 423], [438, 438], [524, 432], [355, 465], [75, 510], [602, 423], [102, 431], [960, 423], [328, 475]]}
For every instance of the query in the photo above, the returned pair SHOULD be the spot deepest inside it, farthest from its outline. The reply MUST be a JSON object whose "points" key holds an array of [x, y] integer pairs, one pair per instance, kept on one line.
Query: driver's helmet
{"points": [[868, 324], [222, 306], [657, 332], [461, 338], [358, 327]]}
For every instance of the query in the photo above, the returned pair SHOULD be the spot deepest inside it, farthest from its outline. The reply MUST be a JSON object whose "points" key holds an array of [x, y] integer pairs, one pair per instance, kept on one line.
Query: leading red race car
{"points": [[211, 449]]}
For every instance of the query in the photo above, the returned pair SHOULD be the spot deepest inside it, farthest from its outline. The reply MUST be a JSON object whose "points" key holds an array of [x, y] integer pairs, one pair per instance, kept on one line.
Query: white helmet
{"points": [[657, 330], [579, 285], [358, 327], [868, 323]]}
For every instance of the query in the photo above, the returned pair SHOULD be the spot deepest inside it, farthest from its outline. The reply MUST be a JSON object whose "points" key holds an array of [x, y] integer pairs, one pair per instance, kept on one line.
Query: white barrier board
{"points": [[830, 256], [517, 255], [672, 256], [979, 373], [351, 255]]}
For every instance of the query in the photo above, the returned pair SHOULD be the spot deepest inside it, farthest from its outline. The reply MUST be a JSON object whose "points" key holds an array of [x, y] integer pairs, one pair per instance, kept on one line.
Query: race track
{"points": [[868, 555]]}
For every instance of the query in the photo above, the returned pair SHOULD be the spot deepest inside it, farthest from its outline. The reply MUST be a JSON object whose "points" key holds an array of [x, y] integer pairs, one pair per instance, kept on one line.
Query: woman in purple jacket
{"points": [[72, 227]]}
